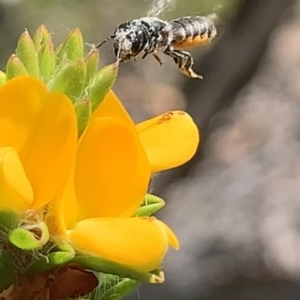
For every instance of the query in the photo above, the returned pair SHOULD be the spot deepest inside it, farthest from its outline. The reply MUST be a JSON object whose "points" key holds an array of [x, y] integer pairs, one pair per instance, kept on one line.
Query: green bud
{"points": [[150, 206], [70, 80], [113, 288], [92, 62], [99, 264], [27, 54], [7, 268], [73, 48], [2, 78], [102, 83], [63, 247], [29, 237], [41, 36], [152, 199], [83, 110], [15, 68], [52, 260], [47, 61]]}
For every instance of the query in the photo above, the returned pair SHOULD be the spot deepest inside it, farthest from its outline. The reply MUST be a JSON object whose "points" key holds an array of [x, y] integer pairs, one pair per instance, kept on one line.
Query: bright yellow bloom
{"points": [[98, 182], [114, 163], [37, 144]]}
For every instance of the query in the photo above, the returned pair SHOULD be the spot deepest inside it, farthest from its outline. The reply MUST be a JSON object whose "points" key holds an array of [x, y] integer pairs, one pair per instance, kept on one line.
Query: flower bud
{"points": [[2, 78], [70, 80], [47, 61], [150, 206], [27, 238], [83, 110], [102, 83], [52, 260], [73, 48], [15, 68], [41, 36], [92, 61], [27, 54]]}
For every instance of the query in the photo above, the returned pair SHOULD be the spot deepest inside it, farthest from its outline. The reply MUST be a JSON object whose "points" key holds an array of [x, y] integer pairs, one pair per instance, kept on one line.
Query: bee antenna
{"points": [[108, 38]]}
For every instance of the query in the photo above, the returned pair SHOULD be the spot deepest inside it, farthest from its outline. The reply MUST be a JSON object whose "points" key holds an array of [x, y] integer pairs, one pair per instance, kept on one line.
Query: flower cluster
{"points": [[74, 175]]}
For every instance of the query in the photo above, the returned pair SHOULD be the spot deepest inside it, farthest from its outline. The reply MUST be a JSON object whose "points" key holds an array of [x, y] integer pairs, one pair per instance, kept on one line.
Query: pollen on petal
{"points": [[112, 170], [169, 140], [15, 191], [137, 242], [41, 126]]}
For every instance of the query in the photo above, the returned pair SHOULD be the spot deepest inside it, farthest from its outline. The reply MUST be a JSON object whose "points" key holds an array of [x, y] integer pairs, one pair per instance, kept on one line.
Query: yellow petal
{"points": [[112, 107], [137, 242], [112, 170], [169, 140], [41, 126], [15, 190]]}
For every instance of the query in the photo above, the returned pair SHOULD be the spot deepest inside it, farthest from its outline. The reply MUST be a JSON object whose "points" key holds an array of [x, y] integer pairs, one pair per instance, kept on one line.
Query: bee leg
{"points": [[145, 55], [184, 62], [155, 56], [158, 59]]}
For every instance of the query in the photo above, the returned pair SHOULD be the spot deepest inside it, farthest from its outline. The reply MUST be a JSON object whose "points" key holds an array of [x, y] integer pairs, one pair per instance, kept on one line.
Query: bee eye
{"points": [[135, 46], [116, 49]]}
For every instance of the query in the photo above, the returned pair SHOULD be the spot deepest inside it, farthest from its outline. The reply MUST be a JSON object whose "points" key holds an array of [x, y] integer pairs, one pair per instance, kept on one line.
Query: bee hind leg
{"points": [[158, 59], [184, 62]]}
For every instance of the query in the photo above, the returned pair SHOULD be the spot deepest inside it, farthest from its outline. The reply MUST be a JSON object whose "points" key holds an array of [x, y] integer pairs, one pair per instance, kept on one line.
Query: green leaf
{"points": [[52, 260], [8, 221], [99, 264], [113, 288]]}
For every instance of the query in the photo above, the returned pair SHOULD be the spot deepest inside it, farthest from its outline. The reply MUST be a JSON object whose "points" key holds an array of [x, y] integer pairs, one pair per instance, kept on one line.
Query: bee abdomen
{"points": [[192, 31]]}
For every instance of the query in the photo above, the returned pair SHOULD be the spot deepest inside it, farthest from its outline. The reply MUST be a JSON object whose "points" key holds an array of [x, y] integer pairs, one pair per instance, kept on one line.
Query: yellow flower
{"points": [[114, 162], [37, 144], [92, 186]]}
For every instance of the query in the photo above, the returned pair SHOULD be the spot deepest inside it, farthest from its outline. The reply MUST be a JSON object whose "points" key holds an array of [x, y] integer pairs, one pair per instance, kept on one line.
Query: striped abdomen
{"points": [[192, 31]]}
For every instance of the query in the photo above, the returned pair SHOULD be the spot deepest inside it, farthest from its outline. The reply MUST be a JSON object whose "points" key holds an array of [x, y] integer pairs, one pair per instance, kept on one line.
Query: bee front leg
{"points": [[155, 56], [184, 62]]}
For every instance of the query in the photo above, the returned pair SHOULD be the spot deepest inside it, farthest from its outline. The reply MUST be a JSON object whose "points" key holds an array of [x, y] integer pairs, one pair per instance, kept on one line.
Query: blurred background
{"points": [[236, 205]]}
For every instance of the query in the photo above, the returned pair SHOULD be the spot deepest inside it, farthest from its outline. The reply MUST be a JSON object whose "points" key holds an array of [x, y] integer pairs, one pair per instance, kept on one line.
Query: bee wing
{"points": [[160, 6]]}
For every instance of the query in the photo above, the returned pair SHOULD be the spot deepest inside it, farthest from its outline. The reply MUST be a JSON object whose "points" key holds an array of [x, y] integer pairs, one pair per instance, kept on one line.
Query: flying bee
{"points": [[152, 36]]}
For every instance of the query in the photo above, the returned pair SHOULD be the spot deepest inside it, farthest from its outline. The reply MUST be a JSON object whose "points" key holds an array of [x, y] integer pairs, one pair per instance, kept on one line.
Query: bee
{"points": [[151, 35]]}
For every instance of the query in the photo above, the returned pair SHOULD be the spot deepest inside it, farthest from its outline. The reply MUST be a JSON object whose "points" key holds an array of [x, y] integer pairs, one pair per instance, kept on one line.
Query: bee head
{"points": [[126, 45]]}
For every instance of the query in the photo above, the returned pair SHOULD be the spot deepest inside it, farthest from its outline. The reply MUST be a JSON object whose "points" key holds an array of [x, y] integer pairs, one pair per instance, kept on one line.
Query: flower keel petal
{"points": [[140, 243]]}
